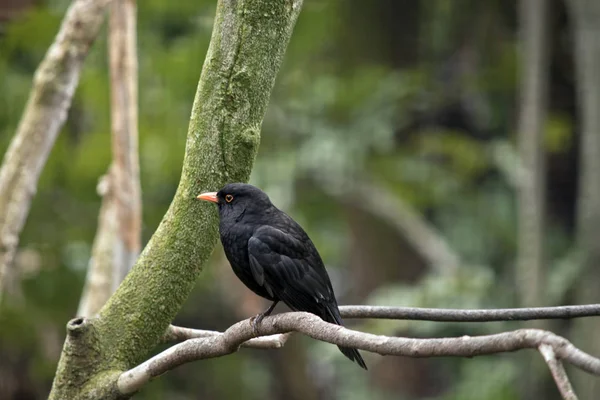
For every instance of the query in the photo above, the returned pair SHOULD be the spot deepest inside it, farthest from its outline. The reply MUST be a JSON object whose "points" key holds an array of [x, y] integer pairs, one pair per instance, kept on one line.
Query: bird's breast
{"points": [[234, 238], [235, 245]]}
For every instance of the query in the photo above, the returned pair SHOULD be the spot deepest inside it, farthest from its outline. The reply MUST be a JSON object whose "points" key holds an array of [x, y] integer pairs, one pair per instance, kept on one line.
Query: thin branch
{"points": [[50, 97], [314, 327], [558, 372], [458, 315], [181, 334]]}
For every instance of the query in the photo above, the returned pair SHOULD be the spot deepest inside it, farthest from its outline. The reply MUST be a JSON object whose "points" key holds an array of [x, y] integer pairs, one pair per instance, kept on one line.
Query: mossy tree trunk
{"points": [[248, 43]]}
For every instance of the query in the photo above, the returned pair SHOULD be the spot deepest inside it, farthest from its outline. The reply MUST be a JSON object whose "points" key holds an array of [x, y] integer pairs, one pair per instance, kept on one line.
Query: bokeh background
{"points": [[412, 104]]}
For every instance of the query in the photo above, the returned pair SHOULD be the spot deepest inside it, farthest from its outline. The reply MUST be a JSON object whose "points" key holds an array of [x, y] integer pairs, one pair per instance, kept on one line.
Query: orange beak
{"points": [[208, 196]]}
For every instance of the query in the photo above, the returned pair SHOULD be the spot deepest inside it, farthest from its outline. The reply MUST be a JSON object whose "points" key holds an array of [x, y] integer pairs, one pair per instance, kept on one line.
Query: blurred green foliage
{"points": [[421, 123]]}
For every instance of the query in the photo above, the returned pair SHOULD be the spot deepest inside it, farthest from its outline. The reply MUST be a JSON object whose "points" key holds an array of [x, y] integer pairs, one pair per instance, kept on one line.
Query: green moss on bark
{"points": [[247, 45]]}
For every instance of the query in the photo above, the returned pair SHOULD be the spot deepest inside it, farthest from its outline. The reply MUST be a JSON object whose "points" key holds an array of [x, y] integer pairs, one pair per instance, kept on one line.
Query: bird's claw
{"points": [[259, 317], [256, 322]]}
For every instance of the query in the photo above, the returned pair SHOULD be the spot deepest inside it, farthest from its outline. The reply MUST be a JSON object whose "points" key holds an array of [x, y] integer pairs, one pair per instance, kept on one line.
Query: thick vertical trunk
{"points": [[247, 45], [531, 186], [530, 272], [585, 16]]}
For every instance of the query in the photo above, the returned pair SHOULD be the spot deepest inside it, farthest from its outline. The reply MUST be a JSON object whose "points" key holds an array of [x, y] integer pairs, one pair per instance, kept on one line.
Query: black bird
{"points": [[273, 256]]}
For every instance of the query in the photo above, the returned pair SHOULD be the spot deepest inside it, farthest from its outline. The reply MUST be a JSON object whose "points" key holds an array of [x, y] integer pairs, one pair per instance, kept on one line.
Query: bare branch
{"points": [[118, 238], [124, 126], [458, 315], [54, 84], [314, 327], [558, 372], [98, 281], [180, 334]]}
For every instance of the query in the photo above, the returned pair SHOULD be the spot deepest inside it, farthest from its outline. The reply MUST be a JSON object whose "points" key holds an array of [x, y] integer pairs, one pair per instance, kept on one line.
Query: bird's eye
{"points": [[229, 198]]}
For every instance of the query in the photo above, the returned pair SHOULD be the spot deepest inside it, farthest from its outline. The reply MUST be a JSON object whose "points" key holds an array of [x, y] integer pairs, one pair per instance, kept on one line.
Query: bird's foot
{"points": [[256, 322], [259, 317]]}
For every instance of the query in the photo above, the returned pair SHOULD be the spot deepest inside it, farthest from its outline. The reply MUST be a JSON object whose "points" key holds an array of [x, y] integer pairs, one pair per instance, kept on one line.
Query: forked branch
{"points": [[220, 344], [558, 372]]}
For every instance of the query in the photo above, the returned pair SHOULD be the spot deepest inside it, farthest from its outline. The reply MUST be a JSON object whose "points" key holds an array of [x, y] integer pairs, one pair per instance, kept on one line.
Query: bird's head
{"points": [[236, 198]]}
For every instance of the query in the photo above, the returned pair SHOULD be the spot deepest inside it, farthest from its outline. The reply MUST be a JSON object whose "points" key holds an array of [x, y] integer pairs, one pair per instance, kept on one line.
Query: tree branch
{"points": [[458, 315], [558, 372], [98, 281], [118, 237], [180, 334], [50, 97], [314, 327], [122, 48]]}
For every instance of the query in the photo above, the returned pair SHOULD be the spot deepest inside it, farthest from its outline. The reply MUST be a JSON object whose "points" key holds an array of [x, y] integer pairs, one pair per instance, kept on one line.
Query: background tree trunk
{"points": [[531, 189], [54, 84], [118, 239], [247, 45], [530, 263], [585, 15]]}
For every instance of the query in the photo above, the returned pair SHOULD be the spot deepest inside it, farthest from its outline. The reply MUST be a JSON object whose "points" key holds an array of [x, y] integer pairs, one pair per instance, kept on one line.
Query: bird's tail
{"points": [[333, 316], [353, 355]]}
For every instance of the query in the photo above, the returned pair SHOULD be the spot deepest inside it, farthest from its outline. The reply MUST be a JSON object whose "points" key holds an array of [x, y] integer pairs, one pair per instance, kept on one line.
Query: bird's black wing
{"points": [[285, 262], [290, 269]]}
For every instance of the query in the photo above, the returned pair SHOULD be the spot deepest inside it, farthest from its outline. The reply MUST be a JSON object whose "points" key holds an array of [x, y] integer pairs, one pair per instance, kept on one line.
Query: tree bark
{"points": [[54, 84], [247, 45], [118, 238], [585, 16]]}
